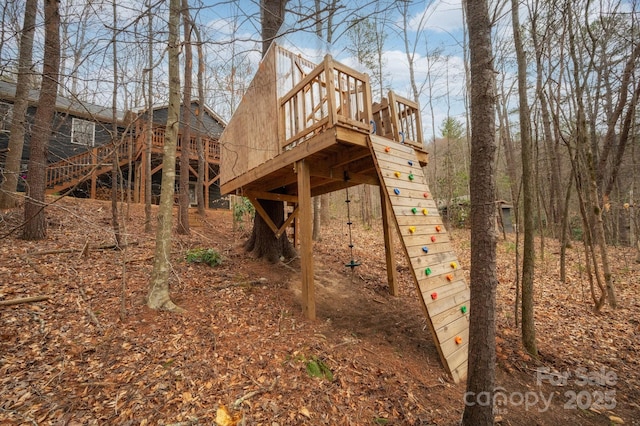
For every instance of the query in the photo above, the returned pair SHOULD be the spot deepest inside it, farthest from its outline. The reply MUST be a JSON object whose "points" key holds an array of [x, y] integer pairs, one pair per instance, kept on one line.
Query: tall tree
{"points": [[35, 221], [158, 297], [528, 189], [115, 162], [199, 146], [18, 120], [185, 147], [482, 351], [149, 133], [263, 242]]}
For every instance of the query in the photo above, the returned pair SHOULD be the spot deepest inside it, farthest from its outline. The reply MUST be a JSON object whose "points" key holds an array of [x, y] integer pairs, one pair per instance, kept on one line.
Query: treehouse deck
{"points": [[303, 130]]}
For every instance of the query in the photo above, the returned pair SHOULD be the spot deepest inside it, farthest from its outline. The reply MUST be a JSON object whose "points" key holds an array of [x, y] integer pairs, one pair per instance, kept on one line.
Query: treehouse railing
{"points": [[398, 118], [330, 94]]}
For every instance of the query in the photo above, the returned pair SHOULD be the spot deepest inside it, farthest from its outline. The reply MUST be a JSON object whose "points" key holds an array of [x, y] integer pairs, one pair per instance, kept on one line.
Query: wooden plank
{"points": [[387, 226], [283, 161], [262, 195], [251, 137], [449, 316], [306, 243], [445, 303], [442, 288], [450, 346]]}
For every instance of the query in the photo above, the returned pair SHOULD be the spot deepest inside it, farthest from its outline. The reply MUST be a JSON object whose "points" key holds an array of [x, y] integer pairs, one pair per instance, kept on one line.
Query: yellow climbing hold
{"points": [[454, 265], [397, 174], [412, 229], [425, 212]]}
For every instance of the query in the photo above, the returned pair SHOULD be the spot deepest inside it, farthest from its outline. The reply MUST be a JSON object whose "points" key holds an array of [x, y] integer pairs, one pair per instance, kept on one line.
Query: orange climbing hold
{"points": [[458, 340], [387, 149], [449, 277], [438, 228]]}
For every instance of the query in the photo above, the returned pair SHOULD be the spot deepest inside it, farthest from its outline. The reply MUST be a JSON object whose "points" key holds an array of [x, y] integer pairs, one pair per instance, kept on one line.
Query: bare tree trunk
{"points": [[35, 221], [263, 242], [201, 158], [18, 121], [149, 140], [482, 331], [592, 190], [528, 192], [158, 297], [325, 212], [183, 215], [115, 169]]}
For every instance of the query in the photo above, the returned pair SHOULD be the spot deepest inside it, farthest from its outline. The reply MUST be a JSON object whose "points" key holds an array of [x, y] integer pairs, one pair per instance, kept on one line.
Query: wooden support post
{"points": [[306, 243], [387, 226], [94, 160]]}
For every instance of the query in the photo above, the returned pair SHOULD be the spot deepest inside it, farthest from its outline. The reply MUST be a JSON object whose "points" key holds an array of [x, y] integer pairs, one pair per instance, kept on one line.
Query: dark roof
{"points": [[208, 110], [73, 106]]}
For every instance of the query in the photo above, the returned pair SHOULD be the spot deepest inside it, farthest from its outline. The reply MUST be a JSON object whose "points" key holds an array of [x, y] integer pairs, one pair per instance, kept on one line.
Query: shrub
{"points": [[204, 255]]}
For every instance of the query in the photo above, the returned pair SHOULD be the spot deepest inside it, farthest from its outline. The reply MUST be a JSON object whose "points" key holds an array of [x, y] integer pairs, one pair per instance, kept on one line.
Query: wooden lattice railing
{"points": [[330, 94]]}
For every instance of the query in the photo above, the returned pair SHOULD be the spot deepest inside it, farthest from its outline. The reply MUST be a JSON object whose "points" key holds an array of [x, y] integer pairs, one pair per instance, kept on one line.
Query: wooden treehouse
{"points": [[87, 167], [303, 130]]}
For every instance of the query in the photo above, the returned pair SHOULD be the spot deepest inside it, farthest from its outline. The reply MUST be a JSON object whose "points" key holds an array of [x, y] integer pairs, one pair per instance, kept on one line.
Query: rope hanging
{"points": [[352, 264]]}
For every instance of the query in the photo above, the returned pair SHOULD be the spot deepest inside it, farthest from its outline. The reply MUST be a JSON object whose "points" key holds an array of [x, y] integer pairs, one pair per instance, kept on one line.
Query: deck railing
{"points": [[81, 166], [71, 170], [398, 118], [330, 94]]}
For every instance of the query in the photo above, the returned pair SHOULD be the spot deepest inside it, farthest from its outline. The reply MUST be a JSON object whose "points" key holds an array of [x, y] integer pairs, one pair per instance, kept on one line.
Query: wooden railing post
{"points": [[331, 88]]}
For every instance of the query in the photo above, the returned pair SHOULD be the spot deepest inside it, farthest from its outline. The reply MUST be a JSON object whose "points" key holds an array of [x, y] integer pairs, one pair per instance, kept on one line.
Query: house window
{"points": [[82, 132], [6, 114]]}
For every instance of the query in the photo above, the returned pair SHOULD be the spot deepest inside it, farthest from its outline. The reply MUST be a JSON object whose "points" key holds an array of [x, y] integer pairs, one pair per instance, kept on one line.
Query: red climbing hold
{"points": [[434, 296]]}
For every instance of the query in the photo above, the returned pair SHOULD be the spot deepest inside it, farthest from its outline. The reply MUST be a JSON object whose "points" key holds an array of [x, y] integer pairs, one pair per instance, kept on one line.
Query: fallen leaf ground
{"points": [[93, 354]]}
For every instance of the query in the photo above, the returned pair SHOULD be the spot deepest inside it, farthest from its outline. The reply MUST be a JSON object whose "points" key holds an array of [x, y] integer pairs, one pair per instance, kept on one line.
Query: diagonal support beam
{"points": [[255, 200]]}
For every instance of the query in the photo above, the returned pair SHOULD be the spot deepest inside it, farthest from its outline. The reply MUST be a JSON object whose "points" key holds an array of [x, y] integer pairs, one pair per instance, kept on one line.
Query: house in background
{"points": [[77, 127], [204, 124], [81, 147]]}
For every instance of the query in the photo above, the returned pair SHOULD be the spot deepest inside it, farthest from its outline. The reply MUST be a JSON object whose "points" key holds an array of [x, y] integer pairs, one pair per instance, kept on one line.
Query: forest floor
{"points": [[93, 353]]}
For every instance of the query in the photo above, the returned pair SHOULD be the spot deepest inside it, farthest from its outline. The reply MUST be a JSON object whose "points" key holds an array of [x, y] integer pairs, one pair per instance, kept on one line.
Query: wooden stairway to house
{"points": [[439, 279], [67, 173]]}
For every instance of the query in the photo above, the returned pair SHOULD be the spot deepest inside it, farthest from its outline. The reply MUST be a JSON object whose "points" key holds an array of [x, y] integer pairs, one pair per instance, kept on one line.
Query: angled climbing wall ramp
{"points": [[439, 279]]}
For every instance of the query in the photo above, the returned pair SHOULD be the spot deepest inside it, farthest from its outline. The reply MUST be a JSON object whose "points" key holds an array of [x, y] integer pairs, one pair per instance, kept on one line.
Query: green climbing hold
{"points": [[414, 210], [463, 309], [427, 271], [411, 176]]}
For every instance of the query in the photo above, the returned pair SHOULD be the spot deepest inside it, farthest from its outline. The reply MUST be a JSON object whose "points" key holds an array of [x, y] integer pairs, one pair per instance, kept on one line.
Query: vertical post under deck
{"points": [[387, 227], [94, 160], [306, 244]]}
